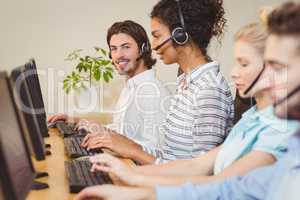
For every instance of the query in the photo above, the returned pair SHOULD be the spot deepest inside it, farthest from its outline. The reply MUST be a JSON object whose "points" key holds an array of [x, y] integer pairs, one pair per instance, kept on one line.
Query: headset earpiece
{"points": [[180, 36], [144, 49]]}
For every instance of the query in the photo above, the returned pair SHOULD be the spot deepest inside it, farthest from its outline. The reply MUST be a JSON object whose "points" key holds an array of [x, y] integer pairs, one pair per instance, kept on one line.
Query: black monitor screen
{"points": [[24, 105], [15, 160], [35, 91], [2, 196]]}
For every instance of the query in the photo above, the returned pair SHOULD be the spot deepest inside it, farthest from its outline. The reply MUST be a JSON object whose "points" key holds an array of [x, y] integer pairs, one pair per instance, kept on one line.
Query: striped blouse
{"points": [[200, 116]]}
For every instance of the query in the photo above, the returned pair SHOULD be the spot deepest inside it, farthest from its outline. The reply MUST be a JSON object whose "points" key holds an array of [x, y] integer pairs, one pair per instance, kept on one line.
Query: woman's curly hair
{"points": [[204, 19]]}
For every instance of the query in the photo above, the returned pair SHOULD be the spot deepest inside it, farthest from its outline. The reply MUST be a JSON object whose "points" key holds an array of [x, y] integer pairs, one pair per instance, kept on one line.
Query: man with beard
{"points": [[142, 103]]}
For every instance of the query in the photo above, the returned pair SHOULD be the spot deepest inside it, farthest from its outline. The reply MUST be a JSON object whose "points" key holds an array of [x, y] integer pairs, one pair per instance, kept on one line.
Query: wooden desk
{"points": [[54, 165]]}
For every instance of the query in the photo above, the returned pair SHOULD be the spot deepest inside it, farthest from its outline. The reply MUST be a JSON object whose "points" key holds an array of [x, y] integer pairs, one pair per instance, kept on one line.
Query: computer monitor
{"points": [[1, 190], [24, 104], [35, 91], [16, 169]]}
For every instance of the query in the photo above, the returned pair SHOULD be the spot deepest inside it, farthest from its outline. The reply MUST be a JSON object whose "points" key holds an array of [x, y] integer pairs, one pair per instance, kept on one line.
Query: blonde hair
{"points": [[255, 33], [264, 14]]}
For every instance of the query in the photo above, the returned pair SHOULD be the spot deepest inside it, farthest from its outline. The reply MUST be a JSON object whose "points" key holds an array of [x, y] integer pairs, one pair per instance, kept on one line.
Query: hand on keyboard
{"points": [[112, 192], [62, 117], [107, 163], [115, 142], [90, 126], [86, 139], [83, 124]]}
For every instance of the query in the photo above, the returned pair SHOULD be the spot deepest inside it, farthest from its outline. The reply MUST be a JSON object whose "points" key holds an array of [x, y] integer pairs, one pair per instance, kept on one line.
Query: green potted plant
{"points": [[89, 69]]}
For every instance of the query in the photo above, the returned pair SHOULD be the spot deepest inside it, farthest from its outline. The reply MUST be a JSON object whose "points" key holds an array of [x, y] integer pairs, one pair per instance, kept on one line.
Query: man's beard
{"points": [[131, 68]]}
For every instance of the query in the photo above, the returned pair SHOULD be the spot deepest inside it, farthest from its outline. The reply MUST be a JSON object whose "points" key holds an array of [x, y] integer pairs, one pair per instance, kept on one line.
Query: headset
{"points": [[144, 49], [281, 101], [255, 80], [292, 93], [179, 34]]}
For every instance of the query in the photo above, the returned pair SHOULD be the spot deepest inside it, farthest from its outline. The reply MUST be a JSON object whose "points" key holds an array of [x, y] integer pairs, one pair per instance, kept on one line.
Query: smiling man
{"points": [[141, 106], [140, 101]]}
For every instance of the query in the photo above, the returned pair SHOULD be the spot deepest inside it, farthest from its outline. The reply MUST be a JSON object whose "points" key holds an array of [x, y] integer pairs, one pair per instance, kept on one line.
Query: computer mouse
{"points": [[53, 124]]}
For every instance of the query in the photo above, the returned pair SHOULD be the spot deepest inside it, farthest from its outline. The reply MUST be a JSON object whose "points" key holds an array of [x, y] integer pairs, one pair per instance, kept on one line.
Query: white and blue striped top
{"points": [[200, 116]]}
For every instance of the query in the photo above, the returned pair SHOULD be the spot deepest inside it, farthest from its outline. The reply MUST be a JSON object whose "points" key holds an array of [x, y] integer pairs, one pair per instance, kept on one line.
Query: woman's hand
{"points": [[111, 192], [63, 117], [117, 143], [107, 163]]}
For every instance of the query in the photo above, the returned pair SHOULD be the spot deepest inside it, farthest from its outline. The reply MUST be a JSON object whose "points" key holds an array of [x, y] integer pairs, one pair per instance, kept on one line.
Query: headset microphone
{"points": [[162, 44], [255, 80], [292, 93]]}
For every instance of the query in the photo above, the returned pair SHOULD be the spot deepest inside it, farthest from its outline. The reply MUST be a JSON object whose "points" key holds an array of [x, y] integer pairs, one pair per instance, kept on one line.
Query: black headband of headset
{"points": [[180, 15], [255, 80]]}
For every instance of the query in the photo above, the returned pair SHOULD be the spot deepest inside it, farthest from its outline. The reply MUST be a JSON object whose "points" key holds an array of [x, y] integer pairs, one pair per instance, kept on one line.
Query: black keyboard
{"points": [[74, 150], [68, 129], [80, 176]]}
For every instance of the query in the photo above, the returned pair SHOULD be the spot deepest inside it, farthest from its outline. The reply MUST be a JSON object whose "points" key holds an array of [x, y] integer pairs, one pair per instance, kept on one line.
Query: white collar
{"points": [[141, 77], [196, 72]]}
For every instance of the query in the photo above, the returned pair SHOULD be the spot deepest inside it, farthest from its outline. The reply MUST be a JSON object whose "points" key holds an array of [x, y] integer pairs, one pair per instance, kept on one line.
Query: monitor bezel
{"points": [[36, 88], [36, 139], [8, 190]]}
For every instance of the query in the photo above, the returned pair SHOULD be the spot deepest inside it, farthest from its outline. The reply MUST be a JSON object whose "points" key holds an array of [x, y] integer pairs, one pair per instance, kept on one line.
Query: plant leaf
{"points": [[109, 69], [106, 62], [97, 74], [110, 74], [106, 78], [97, 48], [103, 51]]}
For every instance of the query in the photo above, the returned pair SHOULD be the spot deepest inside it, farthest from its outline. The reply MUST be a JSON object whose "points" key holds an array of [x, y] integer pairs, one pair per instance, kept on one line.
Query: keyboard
{"points": [[74, 150], [80, 176], [68, 129]]}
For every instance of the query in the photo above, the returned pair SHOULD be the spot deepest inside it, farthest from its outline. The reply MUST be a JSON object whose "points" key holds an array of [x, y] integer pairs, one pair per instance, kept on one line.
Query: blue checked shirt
{"points": [[276, 182]]}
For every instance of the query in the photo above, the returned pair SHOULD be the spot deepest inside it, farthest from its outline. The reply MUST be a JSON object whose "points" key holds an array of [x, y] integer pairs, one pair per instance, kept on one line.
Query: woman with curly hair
{"points": [[201, 112]]}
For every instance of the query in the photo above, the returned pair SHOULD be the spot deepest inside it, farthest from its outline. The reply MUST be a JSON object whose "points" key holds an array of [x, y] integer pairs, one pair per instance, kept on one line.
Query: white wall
{"points": [[49, 29]]}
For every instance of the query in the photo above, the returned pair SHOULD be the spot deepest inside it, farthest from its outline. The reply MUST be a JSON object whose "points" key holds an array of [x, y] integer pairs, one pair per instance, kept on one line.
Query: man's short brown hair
{"points": [[138, 33], [285, 19]]}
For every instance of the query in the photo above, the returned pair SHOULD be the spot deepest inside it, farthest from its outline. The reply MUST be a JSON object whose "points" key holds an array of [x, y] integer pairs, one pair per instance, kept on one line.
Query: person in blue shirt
{"points": [[278, 181]]}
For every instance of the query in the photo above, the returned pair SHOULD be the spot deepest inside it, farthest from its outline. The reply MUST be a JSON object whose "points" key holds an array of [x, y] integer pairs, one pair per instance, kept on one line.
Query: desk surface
{"points": [[54, 165]]}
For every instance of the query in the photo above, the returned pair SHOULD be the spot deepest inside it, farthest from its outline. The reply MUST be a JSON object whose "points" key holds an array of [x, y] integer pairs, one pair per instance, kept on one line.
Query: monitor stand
{"points": [[41, 174], [39, 185]]}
